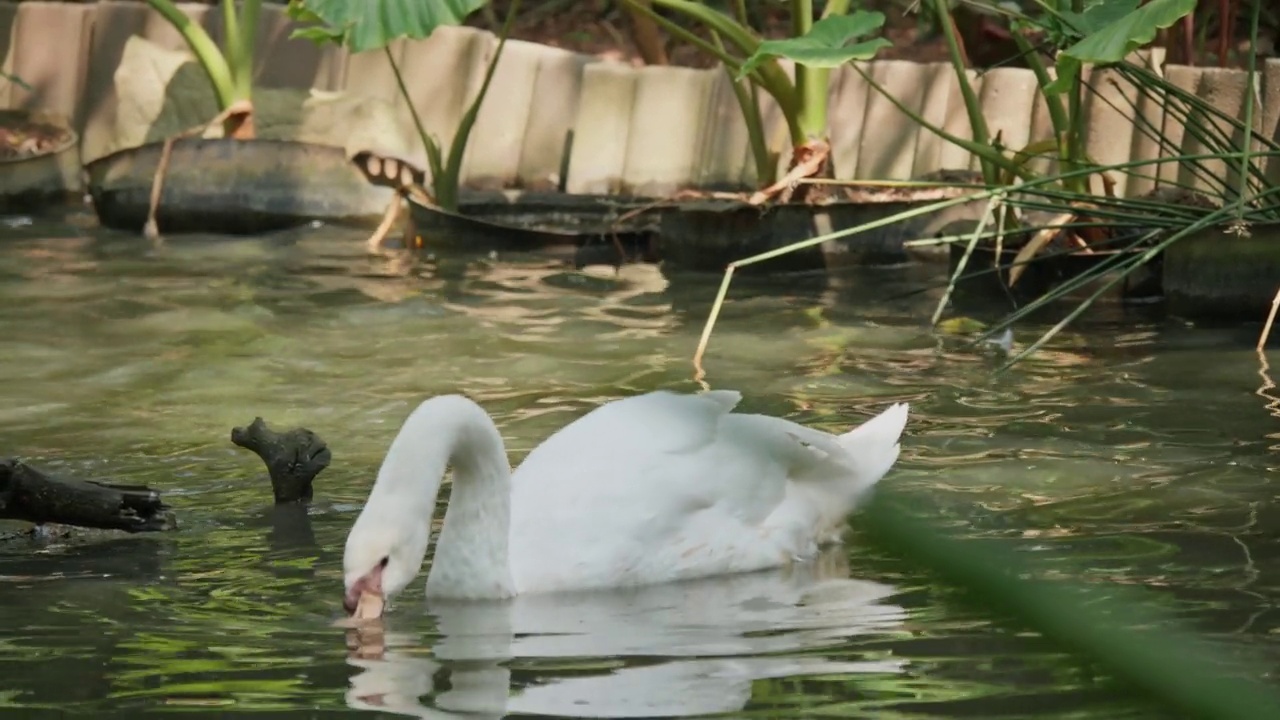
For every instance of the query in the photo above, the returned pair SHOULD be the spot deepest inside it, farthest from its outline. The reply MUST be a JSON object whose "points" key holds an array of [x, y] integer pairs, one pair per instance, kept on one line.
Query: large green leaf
{"points": [[1096, 16], [372, 24], [1110, 38], [826, 43]]}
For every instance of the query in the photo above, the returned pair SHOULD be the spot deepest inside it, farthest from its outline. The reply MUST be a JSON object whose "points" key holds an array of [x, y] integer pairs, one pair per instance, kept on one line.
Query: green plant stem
{"points": [[1076, 118], [977, 122], [978, 232], [931, 208], [836, 7], [749, 100], [428, 144], [446, 184], [985, 153], [242, 56], [1057, 114], [233, 41], [205, 50], [749, 104], [1246, 159], [811, 83], [1145, 257], [708, 17], [768, 75]]}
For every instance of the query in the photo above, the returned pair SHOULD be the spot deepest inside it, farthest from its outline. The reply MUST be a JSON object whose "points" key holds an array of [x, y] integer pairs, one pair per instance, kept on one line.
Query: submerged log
{"points": [[293, 458], [31, 495]]}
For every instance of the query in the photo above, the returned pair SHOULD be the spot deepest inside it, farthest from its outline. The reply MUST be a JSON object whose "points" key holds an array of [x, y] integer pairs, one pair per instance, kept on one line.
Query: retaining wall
{"points": [[559, 120]]}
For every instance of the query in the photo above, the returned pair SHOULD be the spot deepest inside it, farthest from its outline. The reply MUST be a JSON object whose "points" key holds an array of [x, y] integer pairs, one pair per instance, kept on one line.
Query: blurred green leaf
{"points": [[826, 43], [1110, 35], [1117, 627], [374, 24]]}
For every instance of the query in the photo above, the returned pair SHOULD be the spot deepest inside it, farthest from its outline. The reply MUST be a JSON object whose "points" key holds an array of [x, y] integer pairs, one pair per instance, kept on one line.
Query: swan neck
{"points": [[472, 554]]}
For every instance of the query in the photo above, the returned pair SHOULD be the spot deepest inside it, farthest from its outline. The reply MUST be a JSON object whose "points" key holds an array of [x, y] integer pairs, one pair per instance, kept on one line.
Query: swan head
{"points": [[384, 552]]}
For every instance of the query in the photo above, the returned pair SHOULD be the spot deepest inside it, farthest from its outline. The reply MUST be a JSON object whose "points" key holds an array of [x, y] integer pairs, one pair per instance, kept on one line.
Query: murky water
{"points": [[1141, 449]]}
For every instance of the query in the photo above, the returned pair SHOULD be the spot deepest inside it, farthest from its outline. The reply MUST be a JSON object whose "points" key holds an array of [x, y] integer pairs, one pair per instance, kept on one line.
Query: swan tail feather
{"points": [[872, 448], [836, 476]]}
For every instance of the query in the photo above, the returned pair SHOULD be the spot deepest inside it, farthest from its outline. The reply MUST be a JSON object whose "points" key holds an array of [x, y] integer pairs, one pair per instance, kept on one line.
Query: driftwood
{"points": [[31, 495], [293, 458]]}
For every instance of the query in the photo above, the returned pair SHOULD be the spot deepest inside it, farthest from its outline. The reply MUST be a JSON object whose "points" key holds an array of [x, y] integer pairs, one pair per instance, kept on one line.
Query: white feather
{"points": [[654, 488]]}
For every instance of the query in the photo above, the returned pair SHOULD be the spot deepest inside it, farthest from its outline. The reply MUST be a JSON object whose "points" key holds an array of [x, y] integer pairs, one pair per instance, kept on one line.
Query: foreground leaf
{"points": [[1111, 38], [826, 43], [364, 25]]}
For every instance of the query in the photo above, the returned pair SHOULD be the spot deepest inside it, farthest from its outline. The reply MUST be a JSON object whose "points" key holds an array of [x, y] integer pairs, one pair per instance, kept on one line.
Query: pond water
{"points": [[1133, 445]]}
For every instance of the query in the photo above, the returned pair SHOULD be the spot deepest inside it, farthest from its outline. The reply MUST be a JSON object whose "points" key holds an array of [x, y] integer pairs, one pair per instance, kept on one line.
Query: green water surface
{"points": [[1138, 448]]}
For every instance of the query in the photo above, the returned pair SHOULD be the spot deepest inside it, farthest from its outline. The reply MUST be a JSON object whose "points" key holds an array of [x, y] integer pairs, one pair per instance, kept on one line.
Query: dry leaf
{"points": [[1035, 244]]}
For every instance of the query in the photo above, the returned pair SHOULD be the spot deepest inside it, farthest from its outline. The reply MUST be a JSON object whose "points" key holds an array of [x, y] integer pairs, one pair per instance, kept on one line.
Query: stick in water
{"points": [[1271, 319]]}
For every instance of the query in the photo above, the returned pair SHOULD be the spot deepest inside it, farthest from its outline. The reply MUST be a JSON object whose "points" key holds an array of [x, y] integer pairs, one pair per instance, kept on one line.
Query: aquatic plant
{"points": [[1138, 228], [815, 47], [372, 25], [230, 68]]}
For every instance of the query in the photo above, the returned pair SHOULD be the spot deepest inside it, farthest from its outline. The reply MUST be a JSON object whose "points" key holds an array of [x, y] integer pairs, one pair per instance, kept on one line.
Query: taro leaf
{"points": [[1097, 16], [825, 45], [1111, 38], [372, 24]]}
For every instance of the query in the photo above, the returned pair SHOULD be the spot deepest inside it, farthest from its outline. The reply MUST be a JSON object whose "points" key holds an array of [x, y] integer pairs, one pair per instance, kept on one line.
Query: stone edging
{"points": [[560, 120]]}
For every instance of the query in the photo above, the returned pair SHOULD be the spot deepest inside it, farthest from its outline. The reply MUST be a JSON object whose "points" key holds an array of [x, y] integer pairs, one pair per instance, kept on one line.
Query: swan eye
{"points": [[383, 563]]}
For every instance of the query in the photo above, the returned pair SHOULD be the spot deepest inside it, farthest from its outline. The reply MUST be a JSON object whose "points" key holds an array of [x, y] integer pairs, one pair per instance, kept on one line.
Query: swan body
{"points": [[654, 488]]}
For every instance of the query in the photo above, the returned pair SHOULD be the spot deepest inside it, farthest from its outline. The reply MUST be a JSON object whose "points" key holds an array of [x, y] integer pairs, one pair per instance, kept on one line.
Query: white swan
{"points": [[654, 488]]}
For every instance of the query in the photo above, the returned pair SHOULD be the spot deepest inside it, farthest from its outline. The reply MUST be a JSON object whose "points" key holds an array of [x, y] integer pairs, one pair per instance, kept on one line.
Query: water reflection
{"points": [[665, 650], [1143, 450]]}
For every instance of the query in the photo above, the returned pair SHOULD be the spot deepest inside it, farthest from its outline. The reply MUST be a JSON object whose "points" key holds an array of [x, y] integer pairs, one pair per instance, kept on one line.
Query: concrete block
{"points": [[1042, 130], [556, 91], [8, 28], [664, 144], [887, 150], [1226, 90], [51, 54], [1271, 115], [1109, 103], [845, 116], [368, 74], [1007, 97], [598, 156], [939, 84], [1147, 128], [1174, 130], [158, 92], [440, 96], [114, 23], [492, 160], [952, 156], [726, 146], [1229, 90]]}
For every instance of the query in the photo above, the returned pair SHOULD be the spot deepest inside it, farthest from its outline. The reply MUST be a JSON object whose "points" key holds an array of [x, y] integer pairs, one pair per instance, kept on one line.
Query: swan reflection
{"points": [[661, 650]]}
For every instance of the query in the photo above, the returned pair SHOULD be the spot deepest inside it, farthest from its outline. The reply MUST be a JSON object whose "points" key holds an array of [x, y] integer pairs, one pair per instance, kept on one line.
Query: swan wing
{"points": [[665, 486]]}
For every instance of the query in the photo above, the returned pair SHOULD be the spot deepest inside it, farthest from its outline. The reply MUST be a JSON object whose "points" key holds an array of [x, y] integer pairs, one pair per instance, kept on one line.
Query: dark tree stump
{"points": [[30, 495], [293, 458]]}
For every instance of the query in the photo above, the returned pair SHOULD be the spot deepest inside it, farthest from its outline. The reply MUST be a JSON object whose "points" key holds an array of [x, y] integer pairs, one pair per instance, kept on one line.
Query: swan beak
{"points": [[363, 600]]}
